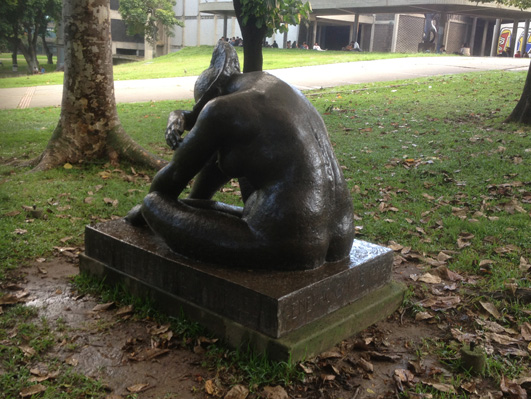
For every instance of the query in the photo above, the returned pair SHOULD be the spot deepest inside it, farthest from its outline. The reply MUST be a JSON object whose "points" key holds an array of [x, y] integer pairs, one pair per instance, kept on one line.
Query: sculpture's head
{"points": [[223, 65]]}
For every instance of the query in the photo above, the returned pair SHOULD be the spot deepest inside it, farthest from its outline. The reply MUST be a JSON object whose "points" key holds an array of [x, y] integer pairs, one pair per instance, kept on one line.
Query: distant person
{"points": [[317, 47], [305, 46], [288, 44], [275, 44], [464, 50], [294, 44]]}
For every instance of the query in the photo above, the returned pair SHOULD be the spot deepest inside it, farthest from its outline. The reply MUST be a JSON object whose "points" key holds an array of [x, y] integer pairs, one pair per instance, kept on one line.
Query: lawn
{"points": [[434, 174], [190, 61]]}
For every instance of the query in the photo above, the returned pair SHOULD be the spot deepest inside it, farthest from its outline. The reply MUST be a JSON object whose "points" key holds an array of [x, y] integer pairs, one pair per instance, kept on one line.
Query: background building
{"points": [[377, 25]]}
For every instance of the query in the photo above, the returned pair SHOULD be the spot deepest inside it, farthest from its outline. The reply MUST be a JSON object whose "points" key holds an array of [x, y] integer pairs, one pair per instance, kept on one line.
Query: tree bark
{"points": [[253, 39], [522, 112], [49, 54], [89, 128]]}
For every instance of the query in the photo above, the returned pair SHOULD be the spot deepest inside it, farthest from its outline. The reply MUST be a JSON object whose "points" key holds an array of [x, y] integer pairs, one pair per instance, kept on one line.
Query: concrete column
{"points": [[225, 26], [356, 27], [395, 33], [441, 32], [484, 39], [199, 30], [514, 37], [495, 39], [473, 35], [351, 33], [314, 34], [524, 41], [373, 28]]}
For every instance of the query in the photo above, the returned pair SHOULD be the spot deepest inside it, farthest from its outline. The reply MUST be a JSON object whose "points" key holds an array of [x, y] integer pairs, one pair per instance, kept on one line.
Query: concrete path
{"points": [[301, 77]]}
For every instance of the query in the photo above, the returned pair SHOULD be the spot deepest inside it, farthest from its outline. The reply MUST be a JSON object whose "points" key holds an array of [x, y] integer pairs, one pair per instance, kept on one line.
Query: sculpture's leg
{"points": [[209, 180], [215, 232], [200, 229]]}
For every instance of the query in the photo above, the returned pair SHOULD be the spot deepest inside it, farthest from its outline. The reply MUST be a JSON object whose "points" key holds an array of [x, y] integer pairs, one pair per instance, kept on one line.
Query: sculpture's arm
{"points": [[178, 122], [192, 153]]}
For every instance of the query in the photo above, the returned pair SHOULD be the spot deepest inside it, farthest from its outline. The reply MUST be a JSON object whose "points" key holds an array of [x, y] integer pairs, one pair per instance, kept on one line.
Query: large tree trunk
{"points": [[89, 128], [253, 39], [522, 112]]}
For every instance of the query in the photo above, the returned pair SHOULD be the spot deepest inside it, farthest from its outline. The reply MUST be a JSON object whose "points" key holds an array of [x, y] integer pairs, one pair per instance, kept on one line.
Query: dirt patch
{"points": [[103, 344]]}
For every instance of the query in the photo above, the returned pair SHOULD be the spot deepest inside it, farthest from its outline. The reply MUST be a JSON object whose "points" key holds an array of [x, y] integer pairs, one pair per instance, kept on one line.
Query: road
{"points": [[301, 77]]}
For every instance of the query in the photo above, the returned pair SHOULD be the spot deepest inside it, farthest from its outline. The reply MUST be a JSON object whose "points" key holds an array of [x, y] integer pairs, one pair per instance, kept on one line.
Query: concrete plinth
{"points": [[287, 314]]}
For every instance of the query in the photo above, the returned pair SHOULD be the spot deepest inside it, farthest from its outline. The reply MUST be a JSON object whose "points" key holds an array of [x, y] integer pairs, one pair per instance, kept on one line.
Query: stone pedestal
{"points": [[286, 314]]}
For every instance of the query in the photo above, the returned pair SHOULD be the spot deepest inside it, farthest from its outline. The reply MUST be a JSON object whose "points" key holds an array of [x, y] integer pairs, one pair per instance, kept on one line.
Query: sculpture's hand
{"points": [[134, 217], [175, 128]]}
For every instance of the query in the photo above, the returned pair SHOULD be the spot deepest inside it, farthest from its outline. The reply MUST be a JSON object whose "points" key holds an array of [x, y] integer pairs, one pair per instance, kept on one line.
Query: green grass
{"points": [[428, 161], [190, 61]]}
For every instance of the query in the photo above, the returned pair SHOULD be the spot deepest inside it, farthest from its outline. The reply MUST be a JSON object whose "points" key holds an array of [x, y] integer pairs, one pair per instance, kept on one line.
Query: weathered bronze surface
{"points": [[297, 212], [268, 301]]}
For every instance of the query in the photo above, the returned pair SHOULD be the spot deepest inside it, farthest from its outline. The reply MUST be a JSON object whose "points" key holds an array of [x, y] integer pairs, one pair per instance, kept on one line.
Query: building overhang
{"points": [[342, 7]]}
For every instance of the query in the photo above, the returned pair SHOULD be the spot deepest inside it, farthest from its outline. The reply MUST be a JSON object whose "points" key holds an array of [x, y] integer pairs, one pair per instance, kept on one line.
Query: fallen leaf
{"points": [[237, 392], [20, 231], [330, 355], [137, 388], [102, 307], [447, 274], [401, 377], [72, 361], [275, 392], [441, 303], [501, 339], [423, 316], [447, 388], [124, 310], [32, 390], [305, 368], [489, 307], [511, 388], [430, 279], [525, 330], [365, 365], [9, 299], [28, 350]]}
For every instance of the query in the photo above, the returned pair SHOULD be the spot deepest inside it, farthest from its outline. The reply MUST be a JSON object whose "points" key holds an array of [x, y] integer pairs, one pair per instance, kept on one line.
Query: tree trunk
{"points": [[89, 128], [49, 54], [522, 112], [253, 39]]}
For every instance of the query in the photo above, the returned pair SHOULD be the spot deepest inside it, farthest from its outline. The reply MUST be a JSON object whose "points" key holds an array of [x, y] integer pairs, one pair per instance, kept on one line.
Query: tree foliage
{"points": [[275, 15], [522, 4], [22, 22], [145, 17], [260, 18]]}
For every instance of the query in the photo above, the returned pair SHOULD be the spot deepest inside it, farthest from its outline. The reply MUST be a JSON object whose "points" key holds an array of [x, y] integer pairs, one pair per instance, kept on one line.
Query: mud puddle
{"points": [[104, 343]]}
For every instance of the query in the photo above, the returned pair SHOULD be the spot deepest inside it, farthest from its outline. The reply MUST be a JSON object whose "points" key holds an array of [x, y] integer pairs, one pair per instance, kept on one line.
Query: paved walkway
{"points": [[301, 77]]}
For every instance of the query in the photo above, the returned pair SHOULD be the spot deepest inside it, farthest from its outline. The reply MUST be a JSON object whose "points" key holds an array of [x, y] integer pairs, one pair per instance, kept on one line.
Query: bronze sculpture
{"points": [[297, 211]]}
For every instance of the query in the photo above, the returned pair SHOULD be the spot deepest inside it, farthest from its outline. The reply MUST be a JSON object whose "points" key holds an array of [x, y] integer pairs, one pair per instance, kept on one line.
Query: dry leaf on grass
{"points": [[32, 390], [237, 392], [489, 307], [275, 392], [511, 388], [446, 388], [525, 330], [430, 279]]}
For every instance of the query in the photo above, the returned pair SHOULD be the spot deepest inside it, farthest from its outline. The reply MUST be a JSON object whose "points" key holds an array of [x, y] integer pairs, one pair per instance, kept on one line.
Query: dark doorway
{"points": [[335, 37]]}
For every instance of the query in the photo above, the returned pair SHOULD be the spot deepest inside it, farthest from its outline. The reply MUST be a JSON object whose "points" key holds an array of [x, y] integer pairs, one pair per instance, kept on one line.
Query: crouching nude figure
{"points": [[297, 212]]}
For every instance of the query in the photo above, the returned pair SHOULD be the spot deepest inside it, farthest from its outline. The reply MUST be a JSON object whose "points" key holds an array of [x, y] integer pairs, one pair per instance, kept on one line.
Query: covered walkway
{"points": [[394, 25]]}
